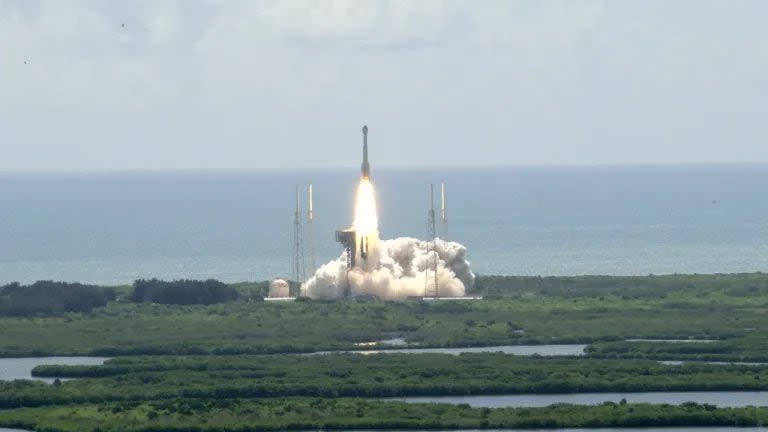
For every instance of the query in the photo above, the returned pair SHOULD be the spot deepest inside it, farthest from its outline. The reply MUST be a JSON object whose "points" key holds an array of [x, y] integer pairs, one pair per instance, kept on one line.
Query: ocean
{"points": [[112, 228]]}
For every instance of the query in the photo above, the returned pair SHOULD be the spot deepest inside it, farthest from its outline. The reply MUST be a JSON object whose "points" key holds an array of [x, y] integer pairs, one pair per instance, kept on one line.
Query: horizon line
{"points": [[137, 170]]}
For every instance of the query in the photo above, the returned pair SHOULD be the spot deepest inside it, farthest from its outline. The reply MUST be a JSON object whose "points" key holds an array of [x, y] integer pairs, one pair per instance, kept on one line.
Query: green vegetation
{"points": [[384, 375], [48, 298], [627, 287], [201, 366], [267, 327], [731, 308], [252, 291], [51, 298], [750, 348], [224, 415], [183, 292]]}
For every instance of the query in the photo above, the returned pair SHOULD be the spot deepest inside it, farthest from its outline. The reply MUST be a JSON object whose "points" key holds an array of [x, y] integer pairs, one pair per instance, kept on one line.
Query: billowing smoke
{"points": [[279, 288], [390, 269], [396, 269]]}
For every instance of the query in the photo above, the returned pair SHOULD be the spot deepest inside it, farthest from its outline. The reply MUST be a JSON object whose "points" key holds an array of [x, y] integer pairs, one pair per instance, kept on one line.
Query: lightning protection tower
{"points": [[297, 267], [432, 238], [311, 231]]}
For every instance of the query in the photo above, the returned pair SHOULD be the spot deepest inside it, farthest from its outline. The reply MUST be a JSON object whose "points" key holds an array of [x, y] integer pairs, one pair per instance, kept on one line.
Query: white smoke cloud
{"points": [[279, 288], [404, 265]]}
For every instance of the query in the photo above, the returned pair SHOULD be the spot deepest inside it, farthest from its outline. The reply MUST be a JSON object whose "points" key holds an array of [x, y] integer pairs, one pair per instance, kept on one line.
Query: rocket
{"points": [[365, 169], [443, 210], [365, 172]]}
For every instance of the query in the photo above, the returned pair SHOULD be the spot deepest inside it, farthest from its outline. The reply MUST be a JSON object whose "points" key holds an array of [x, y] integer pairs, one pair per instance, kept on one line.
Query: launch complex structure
{"points": [[355, 247], [348, 237], [360, 242]]}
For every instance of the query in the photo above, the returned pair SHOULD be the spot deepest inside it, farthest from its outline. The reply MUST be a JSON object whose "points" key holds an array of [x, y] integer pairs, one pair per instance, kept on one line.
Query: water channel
{"points": [[21, 368], [521, 350], [719, 398]]}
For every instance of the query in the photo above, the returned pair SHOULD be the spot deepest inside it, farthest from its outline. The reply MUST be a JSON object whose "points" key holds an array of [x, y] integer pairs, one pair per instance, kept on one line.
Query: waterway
{"points": [[722, 363], [721, 399], [673, 340], [521, 350], [620, 220], [21, 368]]}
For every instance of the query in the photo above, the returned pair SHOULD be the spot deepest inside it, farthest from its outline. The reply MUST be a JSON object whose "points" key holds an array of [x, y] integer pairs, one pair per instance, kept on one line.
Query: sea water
{"points": [[113, 228]]}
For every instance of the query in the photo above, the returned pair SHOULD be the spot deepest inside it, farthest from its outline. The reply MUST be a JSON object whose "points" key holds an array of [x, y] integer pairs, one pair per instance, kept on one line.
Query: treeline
{"points": [[225, 415], [750, 348], [244, 327], [182, 292], [51, 298], [45, 298], [627, 287]]}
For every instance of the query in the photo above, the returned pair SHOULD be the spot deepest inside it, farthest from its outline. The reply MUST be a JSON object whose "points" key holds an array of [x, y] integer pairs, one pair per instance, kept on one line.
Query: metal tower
{"points": [[432, 235], [297, 267], [311, 231]]}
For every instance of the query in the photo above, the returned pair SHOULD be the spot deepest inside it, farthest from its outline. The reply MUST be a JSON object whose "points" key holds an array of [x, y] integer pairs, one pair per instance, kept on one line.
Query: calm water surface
{"points": [[21, 368], [521, 350], [673, 340], [722, 363], [722, 399], [114, 228]]}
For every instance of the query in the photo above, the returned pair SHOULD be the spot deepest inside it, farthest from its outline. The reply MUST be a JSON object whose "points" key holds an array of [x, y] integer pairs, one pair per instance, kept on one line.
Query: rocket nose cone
{"points": [[365, 129]]}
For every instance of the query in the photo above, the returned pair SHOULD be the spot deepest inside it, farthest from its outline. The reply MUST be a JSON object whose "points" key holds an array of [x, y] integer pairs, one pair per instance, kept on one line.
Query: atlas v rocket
{"points": [[365, 172], [365, 168], [348, 237]]}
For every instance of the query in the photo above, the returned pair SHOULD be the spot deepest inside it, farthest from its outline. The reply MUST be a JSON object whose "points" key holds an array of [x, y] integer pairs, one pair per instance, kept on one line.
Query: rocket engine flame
{"points": [[366, 226], [366, 220]]}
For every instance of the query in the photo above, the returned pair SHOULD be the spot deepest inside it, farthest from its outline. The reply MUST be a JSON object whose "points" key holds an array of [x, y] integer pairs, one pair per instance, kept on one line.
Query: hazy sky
{"points": [[277, 84]]}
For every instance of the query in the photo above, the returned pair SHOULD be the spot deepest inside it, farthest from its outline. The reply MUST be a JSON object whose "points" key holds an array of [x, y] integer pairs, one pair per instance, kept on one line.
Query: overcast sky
{"points": [[193, 84]]}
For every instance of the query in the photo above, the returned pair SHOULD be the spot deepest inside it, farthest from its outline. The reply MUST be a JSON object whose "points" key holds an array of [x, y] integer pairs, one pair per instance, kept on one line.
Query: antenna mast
{"points": [[311, 231], [297, 269], [432, 234]]}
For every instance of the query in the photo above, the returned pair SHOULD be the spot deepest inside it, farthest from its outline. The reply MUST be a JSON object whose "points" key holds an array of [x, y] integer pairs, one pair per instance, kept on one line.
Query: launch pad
{"points": [[348, 239], [392, 269]]}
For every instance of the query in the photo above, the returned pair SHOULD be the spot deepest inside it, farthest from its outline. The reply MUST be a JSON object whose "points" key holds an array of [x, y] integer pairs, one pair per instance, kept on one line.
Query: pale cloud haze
{"points": [[193, 84]]}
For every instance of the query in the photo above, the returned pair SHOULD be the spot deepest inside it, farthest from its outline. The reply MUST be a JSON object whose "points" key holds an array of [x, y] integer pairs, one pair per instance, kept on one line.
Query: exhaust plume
{"points": [[401, 270]]}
